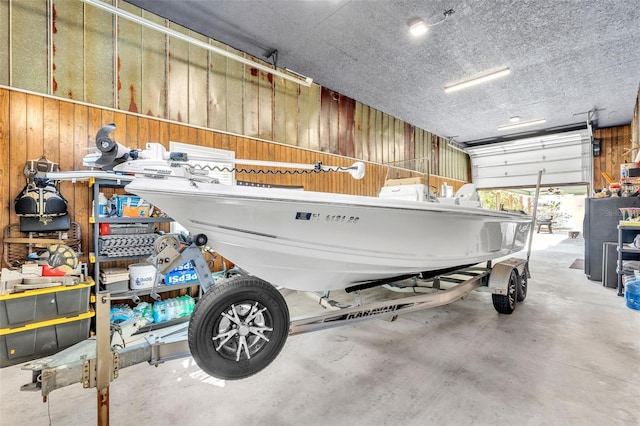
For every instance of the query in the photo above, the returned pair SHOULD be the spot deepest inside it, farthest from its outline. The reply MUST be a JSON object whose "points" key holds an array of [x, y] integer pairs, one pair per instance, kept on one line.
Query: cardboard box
{"points": [[183, 274]]}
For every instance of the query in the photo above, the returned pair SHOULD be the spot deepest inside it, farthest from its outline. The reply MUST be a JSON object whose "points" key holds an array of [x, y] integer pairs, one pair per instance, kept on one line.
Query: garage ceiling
{"points": [[570, 60]]}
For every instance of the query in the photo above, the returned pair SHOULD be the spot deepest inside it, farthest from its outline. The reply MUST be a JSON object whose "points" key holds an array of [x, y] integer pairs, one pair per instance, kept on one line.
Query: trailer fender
{"points": [[500, 276]]}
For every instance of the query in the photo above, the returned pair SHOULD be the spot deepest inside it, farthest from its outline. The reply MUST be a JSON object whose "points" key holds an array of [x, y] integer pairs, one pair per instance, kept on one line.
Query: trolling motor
{"points": [[156, 161], [112, 152]]}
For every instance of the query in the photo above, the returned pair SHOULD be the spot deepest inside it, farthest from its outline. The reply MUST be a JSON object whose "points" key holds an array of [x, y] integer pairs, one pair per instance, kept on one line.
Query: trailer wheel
{"points": [[523, 283], [238, 327], [506, 304]]}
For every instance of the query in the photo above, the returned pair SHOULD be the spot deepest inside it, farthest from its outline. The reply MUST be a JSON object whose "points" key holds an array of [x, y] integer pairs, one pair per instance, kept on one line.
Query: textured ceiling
{"points": [[567, 57]]}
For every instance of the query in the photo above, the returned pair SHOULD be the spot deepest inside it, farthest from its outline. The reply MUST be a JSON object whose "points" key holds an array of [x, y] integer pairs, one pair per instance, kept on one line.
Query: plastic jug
{"points": [[632, 294]]}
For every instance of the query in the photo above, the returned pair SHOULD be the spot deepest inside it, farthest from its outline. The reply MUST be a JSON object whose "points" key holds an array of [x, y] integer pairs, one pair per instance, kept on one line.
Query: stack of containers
{"points": [[166, 310], [38, 323]]}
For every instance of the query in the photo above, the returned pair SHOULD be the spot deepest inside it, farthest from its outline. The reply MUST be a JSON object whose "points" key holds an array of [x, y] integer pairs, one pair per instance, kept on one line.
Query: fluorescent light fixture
{"points": [[522, 124], [477, 80], [417, 27], [298, 79], [514, 118]]}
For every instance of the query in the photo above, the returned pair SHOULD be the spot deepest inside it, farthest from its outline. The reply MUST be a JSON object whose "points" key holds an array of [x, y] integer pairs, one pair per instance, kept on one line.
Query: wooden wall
{"points": [[615, 149], [73, 50], [33, 125]]}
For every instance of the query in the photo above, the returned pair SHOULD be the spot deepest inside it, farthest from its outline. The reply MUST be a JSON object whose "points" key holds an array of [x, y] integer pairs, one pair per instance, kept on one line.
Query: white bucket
{"points": [[141, 275]]}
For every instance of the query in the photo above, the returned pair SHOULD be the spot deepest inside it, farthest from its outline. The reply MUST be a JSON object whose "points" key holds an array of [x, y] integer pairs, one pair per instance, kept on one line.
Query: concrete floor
{"points": [[569, 355]]}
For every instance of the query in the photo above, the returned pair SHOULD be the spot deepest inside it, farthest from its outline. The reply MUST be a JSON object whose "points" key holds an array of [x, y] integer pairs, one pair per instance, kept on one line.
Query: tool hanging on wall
{"points": [[40, 204]]}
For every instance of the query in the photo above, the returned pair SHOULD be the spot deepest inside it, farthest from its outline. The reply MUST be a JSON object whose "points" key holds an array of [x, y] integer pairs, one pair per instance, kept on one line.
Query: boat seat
{"points": [[467, 192], [465, 196]]}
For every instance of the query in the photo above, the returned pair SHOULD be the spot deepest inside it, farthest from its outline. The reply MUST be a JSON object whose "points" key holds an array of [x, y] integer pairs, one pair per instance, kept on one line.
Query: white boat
{"points": [[303, 240], [306, 240]]}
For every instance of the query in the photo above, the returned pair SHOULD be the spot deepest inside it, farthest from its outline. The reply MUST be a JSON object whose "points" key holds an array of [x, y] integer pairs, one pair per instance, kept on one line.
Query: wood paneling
{"points": [[17, 147], [5, 161], [616, 149]]}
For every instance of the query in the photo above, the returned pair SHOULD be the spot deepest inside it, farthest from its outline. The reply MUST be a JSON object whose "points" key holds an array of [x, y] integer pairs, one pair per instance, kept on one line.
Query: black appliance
{"points": [[601, 217]]}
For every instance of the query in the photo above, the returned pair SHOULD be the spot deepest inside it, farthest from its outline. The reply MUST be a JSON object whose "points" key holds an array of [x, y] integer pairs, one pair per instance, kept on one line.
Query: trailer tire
{"points": [[523, 283], [506, 304], [238, 327]]}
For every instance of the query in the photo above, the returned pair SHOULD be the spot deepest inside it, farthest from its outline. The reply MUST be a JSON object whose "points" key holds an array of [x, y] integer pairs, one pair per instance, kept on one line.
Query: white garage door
{"points": [[565, 157]]}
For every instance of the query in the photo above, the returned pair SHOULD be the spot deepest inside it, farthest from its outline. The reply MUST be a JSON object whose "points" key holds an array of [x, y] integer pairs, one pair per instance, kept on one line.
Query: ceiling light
{"points": [[514, 118], [305, 81], [477, 80], [522, 124], [417, 27]]}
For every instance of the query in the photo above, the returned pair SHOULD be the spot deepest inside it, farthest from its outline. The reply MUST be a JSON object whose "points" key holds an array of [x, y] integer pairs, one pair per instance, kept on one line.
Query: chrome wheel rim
{"points": [[242, 330], [513, 289]]}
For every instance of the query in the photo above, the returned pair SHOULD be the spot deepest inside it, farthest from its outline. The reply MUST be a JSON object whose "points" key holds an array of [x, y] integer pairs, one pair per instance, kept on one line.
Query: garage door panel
{"points": [[506, 170], [531, 158], [565, 158], [527, 180]]}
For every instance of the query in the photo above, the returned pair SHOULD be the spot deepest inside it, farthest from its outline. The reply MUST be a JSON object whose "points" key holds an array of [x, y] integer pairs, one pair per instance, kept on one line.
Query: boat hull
{"points": [[318, 241]]}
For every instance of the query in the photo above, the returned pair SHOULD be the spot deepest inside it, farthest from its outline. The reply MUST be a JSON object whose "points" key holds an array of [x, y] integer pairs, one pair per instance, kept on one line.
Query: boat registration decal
{"points": [[327, 218], [341, 218]]}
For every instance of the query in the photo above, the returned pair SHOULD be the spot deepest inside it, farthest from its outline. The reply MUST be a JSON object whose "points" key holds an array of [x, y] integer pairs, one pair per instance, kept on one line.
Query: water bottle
{"points": [[192, 305], [179, 307], [176, 309], [184, 306], [171, 314], [187, 304], [156, 312], [159, 311], [102, 205]]}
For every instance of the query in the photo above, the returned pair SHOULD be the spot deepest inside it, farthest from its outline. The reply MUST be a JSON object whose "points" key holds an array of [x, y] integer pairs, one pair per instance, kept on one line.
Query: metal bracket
{"points": [[168, 344], [90, 374], [169, 257], [165, 260]]}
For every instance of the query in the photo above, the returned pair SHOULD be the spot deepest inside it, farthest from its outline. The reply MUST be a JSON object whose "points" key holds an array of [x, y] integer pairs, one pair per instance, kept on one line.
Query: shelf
{"points": [[128, 294], [624, 247], [629, 225], [628, 249], [98, 259], [159, 325], [131, 219], [119, 258], [39, 241]]}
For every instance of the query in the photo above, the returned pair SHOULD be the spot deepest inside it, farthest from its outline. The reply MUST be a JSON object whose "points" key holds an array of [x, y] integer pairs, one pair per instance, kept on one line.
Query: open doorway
{"points": [[562, 207]]}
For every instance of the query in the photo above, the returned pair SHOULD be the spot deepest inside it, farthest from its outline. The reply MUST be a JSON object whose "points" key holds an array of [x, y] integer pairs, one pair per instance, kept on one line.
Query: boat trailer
{"points": [[96, 361]]}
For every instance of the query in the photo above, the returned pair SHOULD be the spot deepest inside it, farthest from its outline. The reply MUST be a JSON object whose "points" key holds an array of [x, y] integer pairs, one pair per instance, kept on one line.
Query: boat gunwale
{"points": [[250, 194]]}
